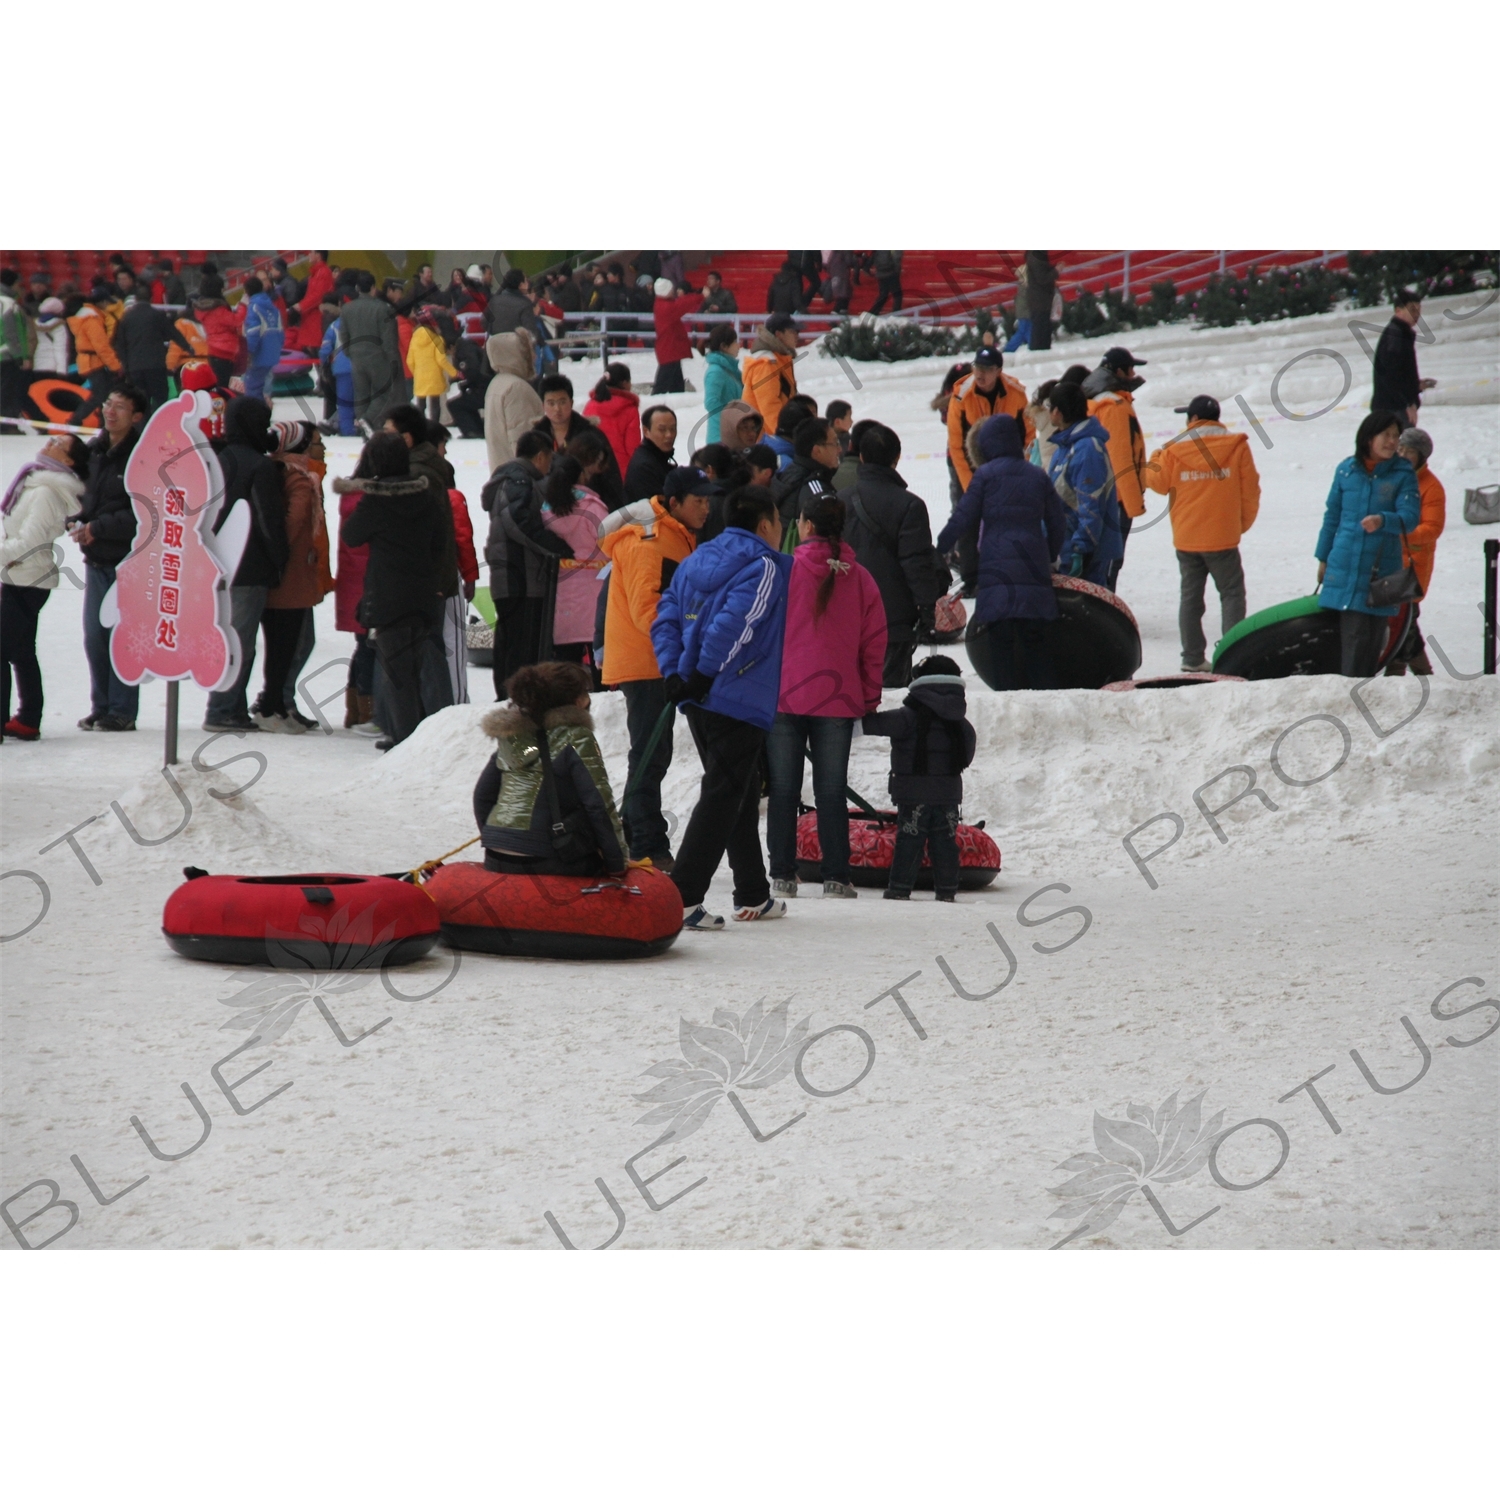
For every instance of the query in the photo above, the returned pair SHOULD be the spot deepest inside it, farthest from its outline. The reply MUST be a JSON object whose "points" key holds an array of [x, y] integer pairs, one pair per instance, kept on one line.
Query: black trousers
{"points": [[897, 669], [401, 646], [727, 817], [282, 629], [1361, 639], [1041, 333], [19, 608], [522, 636], [152, 384], [100, 384], [668, 378], [933, 824], [645, 826], [223, 368], [14, 382], [1023, 655], [467, 411], [887, 287], [1114, 567]]}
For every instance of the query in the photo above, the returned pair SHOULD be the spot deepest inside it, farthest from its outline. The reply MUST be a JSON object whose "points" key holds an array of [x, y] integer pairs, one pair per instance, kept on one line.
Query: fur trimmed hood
{"points": [[507, 721], [412, 486]]}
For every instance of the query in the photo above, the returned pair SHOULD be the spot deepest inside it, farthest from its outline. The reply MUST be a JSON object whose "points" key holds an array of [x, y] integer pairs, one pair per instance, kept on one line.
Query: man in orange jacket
{"points": [[1109, 389], [1420, 546], [1208, 475], [99, 364], [985, 392], [642, 559], [770, 381]]}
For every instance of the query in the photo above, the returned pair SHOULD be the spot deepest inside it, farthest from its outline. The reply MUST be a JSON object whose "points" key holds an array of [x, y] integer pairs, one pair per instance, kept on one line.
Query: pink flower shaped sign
{"points": [[170, 605]]}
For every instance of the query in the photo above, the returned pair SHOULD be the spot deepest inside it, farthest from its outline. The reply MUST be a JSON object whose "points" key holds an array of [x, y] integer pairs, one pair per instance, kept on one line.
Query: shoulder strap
{"points": [[864, 516], [549, 786]]}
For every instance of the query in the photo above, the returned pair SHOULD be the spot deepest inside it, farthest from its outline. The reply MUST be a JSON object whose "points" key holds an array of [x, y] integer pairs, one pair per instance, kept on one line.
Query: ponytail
{"points": [[614, 377], [557, 488], [826, 512]]}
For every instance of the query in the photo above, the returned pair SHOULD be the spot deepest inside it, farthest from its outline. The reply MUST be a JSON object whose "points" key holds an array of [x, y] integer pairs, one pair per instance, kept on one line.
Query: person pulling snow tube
{"points": [[300, 921], [57, 400], [1094, 639], [872, 843], [1170, 680], [1296, 639], [556, 916]]}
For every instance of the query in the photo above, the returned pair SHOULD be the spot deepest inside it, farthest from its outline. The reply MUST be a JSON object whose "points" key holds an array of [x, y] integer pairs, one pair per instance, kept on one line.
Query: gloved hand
{"points": [[673, 687], [697, 686]]}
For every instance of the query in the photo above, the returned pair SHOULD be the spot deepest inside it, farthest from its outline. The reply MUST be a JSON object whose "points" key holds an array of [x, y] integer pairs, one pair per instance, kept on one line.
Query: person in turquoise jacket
{"points": [[722, 383], [1374, 499]]}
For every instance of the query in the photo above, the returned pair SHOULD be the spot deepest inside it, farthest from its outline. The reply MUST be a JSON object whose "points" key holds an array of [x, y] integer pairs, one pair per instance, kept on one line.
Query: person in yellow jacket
{"points": [[1420, 546], [642, 559], [1109, 389], [431, 369], [769, 379], [1209, 478], [193, 332], [987, 391]]}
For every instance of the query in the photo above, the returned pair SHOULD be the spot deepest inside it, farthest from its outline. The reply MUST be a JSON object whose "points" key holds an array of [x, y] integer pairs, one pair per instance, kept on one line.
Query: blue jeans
{"points": [[1022, 335], [108, 695], [792, 735], [247, 603], [934, 824]]}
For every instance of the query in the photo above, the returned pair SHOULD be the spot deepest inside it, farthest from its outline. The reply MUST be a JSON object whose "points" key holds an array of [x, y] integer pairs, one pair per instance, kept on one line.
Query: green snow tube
{"points": [[1296, 639], [479, 635]]}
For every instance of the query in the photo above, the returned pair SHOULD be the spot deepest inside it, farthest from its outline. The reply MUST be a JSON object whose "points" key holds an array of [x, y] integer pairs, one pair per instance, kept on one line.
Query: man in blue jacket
{"points": [[717, 638]]}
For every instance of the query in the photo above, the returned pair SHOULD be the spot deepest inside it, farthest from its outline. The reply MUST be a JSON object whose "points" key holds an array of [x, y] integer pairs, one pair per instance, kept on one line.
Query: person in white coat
{"points": [[34, 514], [53, 353], [511, 404]]}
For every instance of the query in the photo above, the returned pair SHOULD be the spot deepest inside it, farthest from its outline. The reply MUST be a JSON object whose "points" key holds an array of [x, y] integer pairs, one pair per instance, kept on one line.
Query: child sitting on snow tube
{"points": [[519, 796]]}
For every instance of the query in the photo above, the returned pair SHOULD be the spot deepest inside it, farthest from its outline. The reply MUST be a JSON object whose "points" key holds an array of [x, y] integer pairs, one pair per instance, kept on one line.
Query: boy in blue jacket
{"points": [[264, 336], [717, 639]]}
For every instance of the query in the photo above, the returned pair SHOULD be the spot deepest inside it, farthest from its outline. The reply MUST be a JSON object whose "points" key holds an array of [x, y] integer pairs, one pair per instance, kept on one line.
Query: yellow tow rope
{"points": [[421, 872]]}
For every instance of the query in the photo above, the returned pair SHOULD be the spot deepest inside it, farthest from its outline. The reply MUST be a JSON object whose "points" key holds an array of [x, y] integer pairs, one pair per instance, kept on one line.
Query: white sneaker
{"points": [[787, 888], [839, 890], [369, 730], [697, 919], [1196, 666], [276, 723], [769, 908]]}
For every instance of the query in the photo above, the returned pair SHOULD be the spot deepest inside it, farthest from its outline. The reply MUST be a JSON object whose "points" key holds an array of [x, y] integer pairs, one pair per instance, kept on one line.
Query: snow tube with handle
{"points": [[1296, 639], [300, 921], [1171, 680], [872, 842], [556, 916], [57, 400], [1094, 639]]}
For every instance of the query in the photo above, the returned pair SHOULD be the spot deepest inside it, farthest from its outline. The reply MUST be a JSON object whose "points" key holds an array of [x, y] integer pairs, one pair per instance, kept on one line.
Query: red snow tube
{"points": [[1172, 680], [300, 921], [1094, 638], [872, 842], [556, 916], [57, 400]]}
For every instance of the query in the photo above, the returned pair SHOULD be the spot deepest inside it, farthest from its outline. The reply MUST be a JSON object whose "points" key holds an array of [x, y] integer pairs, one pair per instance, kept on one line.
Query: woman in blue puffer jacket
{"points": [[1374, 497]]}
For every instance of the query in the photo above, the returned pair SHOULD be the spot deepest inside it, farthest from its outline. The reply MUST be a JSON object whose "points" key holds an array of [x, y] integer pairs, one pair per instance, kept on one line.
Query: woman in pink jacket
{"points": [[831, 664], [574, 511]]}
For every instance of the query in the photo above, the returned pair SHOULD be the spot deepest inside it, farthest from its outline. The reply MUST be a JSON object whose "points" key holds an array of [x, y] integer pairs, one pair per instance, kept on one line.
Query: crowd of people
{"points": [[765, 592]]}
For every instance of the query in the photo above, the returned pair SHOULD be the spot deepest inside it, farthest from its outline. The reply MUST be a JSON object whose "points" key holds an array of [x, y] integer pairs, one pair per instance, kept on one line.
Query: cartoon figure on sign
{"points": [[169, 605]]}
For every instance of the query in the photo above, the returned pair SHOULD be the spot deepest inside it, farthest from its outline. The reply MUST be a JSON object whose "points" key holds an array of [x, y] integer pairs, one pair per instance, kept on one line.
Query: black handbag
{"points": [[573, 839], [1394, 589]]}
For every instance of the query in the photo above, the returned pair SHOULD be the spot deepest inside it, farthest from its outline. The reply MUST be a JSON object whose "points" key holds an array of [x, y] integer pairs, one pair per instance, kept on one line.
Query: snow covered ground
{"points": [[1314, 939]]}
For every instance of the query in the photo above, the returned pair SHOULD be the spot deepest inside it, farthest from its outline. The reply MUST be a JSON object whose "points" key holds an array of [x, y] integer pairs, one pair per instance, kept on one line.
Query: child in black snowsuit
{"points": [[931, 743]]}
